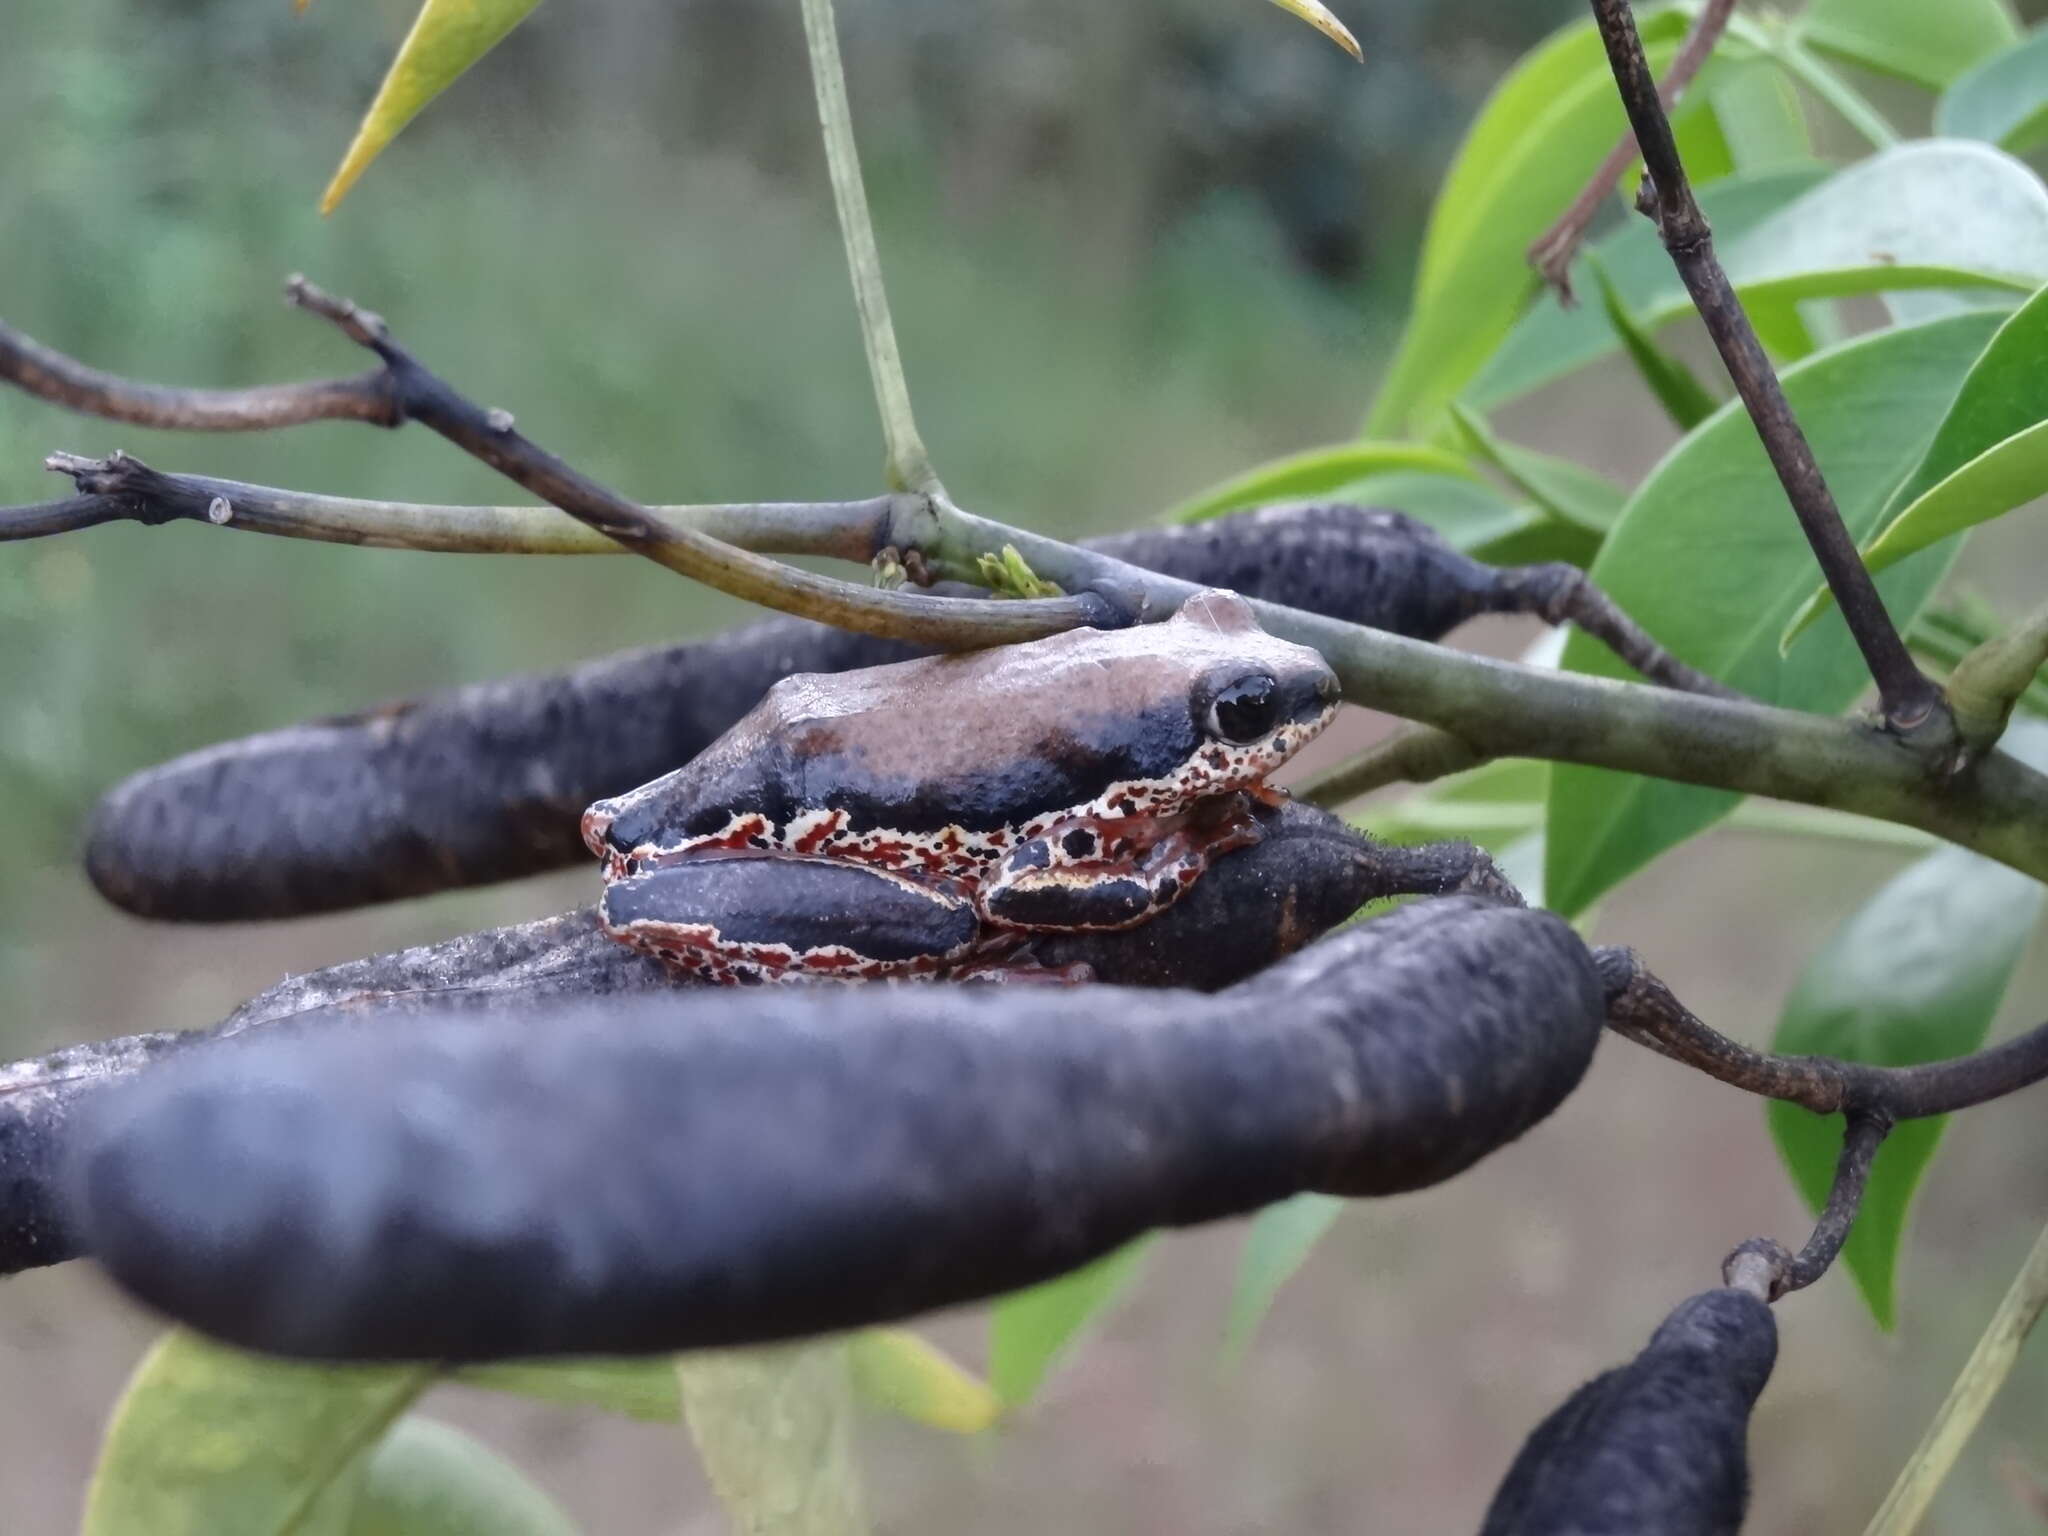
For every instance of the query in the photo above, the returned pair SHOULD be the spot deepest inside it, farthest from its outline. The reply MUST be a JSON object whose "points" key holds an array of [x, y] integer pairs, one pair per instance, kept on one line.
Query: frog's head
{"points": [[1253, 701]]}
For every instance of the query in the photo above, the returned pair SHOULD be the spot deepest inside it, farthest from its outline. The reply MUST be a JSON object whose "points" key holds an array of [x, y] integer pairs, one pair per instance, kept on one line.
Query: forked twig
{"points": [[1553, 251], [1913, 707]]}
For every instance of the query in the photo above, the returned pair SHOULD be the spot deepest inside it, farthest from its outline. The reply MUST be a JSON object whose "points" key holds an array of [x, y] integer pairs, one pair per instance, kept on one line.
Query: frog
{"points": [[925, 819]]}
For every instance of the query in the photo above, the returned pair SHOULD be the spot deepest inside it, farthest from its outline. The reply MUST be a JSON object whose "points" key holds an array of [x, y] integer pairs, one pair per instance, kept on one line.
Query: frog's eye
{"points": [[1244, 710]]}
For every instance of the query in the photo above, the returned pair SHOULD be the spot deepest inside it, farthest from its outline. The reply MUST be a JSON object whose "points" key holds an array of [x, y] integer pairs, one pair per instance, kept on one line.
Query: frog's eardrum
{"points": [[1660, 1444], [703, 1168], [488, 782]]}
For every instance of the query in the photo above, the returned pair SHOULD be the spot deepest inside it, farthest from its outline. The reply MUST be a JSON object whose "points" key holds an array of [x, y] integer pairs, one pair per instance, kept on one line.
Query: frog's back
{"points": [[985, 741]]}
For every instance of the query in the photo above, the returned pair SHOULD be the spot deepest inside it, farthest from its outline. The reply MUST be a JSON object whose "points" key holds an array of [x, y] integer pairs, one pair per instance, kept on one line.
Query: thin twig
{"points": [[1960, 1413], [1641, 1008], [1559, 593], [489, 436], [1910, 702], [1768, 1268], [52, 376], [910, 466], [1863, 1134], [1498, 708], [1553, 251], [121, 488]]}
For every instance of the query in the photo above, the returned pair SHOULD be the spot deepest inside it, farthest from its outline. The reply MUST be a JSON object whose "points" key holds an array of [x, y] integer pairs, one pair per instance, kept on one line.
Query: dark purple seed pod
{"points": [[1660, 1444], [488, 782], [1308, 872], [708, 1167]]}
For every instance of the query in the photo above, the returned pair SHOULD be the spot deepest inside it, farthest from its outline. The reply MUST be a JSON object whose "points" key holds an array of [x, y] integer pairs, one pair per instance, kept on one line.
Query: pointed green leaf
{"points": [[208, 1441], [1935, 214], [1031, 1331], [1541, 134], [1915, 975], [1677, 388], [1990, 455], [1761, 118], [446, 38], [1551, 341], [1280, 1240], [1711, 561], [774, 1427], [636, 1388], [909, 1375], [1319, 17], [1319, 472], [1927, 43], [1491, 805], [430, 1479], [1566, 490], [2003, 101], [1472, 516]]}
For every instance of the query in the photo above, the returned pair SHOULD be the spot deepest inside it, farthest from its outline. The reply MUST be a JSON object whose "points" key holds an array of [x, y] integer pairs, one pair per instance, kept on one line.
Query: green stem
{"points": [[1501, 709], [909, 466], [1989, 1364]]}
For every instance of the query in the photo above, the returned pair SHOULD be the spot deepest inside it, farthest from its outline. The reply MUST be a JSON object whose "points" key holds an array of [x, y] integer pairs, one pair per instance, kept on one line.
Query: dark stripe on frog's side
{"points": [[1074, 764], [804, 904]]}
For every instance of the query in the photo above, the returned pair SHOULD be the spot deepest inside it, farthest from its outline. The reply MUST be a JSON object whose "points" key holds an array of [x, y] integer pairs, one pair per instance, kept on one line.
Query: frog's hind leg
{"points": [[744, 920], [1113, 872]]}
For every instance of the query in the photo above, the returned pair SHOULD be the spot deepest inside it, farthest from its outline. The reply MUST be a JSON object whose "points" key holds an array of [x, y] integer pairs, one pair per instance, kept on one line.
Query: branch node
{"points": [[1758, 1267], [364, 327]]}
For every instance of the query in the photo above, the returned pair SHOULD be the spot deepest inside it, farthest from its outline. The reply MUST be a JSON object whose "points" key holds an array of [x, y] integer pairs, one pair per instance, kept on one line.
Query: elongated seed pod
{"points": [[717, 1167], [1308, 872], [1659, 1444], [488, 782]]}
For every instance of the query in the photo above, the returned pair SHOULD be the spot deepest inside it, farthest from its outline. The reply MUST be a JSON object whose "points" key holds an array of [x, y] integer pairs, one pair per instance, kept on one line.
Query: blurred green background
{"points": [[1132, 248]]}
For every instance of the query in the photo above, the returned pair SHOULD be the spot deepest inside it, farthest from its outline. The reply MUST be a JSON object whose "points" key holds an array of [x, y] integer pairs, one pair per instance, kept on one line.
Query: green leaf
{"points": [[1990, 455], [1319, 472], [1711, 561], [1566, 490], [1491, 805], [1761, 118], [1677, 388], [446, 38], [430, 1479], [1915, 975], [774, 1427], [1319, 17], [1941, 214], [909, 1375], [1540, 135], [1937, 213], [2003, 101], [1030, 1331], [1280, 1240], [1552, 341], [208, 1441], [636, 1389], [1929, 42], [1472, 515]]}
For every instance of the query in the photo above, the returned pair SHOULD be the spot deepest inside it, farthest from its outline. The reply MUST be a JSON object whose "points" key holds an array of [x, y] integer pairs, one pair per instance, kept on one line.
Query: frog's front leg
{"points": [[1113, 871], [754, 918]]}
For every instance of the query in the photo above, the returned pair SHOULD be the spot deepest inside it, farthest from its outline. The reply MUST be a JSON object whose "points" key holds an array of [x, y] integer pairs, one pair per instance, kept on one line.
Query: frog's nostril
{"points": [[1328, 690]]}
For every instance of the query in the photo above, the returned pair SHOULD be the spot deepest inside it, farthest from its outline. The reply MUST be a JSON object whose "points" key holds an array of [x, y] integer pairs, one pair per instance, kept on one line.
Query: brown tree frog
{"points": [[925, 818]]}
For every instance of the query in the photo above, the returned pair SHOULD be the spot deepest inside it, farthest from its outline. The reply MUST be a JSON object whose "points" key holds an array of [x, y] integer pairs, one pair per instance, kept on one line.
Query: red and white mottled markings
{"points": [[1169, 860]]}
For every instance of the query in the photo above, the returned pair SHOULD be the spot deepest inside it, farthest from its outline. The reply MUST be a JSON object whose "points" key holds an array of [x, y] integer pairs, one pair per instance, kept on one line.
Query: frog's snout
{"points": [[597, 826]]}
